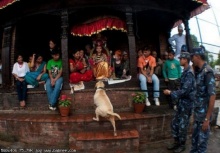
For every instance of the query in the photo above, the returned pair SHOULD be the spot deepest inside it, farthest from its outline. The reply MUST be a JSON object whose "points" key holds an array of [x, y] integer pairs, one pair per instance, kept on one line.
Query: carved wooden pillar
{"points": [[64, 45], [163, 43], [6, 71], [188, 36], [131, 43], [13, 51]]}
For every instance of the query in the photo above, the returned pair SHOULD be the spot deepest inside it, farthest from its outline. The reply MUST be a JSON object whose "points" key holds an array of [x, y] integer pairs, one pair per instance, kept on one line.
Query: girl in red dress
{"points": [[79, 69]]}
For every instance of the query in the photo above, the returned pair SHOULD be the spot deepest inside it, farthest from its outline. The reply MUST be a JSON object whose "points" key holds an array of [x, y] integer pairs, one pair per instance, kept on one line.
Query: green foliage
{"points": [[138, 97], [65, 102], [194, 41], [211, 60], [217, 62]]}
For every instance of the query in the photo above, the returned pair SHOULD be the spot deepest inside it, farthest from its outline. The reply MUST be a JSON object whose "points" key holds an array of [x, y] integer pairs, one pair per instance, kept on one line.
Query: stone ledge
{"points": [[25, 116]]}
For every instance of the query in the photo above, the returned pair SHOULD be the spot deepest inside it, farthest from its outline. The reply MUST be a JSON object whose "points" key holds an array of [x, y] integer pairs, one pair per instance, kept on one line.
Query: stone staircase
{"points": [[78, 132], [104, 141]]}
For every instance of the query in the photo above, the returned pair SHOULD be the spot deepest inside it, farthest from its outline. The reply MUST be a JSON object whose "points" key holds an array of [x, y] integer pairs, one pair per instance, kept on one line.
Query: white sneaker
{"points": [[52, 108], [147, 102], [157, 102], [30, 86]]}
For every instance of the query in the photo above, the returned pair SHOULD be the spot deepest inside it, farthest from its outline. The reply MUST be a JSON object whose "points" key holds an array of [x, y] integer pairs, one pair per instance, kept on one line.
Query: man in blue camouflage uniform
{"points": [[186, 96], [204, 103]]}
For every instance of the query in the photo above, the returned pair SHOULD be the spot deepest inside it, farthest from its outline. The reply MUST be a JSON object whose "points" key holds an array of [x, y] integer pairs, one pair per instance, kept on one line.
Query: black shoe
{"points": [[181, 148], [173, 146]]}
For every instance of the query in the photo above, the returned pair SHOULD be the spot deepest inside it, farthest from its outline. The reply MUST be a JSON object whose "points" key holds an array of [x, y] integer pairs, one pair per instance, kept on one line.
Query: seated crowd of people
{"points": [[83, 67], [151, 67], [95, 63]]}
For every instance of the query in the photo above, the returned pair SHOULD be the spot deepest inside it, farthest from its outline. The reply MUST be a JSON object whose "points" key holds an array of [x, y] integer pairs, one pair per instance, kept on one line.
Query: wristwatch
{"points": [[205, 119]]}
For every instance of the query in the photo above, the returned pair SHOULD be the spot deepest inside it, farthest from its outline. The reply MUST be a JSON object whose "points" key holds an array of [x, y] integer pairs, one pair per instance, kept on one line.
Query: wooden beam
{"points": [[7, 38], [131, 43], [64, 46]]}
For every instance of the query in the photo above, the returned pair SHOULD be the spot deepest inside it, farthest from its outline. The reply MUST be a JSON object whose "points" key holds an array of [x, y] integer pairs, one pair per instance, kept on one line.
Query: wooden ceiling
{"points": [[164, 13]]}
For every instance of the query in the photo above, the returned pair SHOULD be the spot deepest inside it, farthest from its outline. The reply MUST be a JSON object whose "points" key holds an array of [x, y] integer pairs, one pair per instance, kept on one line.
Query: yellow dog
{"points": [[104, 106]]}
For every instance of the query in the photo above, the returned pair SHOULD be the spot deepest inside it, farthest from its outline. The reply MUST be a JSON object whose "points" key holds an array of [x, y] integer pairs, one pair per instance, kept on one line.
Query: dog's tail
{"points": [[114, 114]]}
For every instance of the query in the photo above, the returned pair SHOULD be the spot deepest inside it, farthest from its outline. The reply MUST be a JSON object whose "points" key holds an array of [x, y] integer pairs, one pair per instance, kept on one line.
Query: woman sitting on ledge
{"points": [[19, 71], [38, 75], [79, 69], [99, 62]]}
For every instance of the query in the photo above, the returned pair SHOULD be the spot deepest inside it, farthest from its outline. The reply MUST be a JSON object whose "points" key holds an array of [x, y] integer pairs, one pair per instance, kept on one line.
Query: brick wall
{"points": [[53, 129]]}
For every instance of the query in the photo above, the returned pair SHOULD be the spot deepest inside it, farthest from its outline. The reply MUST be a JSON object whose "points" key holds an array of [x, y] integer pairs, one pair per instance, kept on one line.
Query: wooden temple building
{"points": [[26, 27]]}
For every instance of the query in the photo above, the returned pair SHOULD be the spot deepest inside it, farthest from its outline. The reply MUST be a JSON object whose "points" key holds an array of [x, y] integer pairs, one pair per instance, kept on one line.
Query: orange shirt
{"points": [[143, 61]]}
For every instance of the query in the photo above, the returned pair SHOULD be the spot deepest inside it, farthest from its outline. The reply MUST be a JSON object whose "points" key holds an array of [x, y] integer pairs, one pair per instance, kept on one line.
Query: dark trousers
{"points": [[180, 123], [21, 90], [199, 138], [172, 85]]}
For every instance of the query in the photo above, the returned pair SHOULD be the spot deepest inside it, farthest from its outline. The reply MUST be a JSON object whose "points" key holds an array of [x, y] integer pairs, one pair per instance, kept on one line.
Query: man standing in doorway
{"points": [[204, 103], [179, 39], [172, 73], [185, 96]]}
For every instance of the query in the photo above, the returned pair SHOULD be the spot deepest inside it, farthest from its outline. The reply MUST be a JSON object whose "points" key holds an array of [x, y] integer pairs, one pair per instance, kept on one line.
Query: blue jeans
{"points": [[53, 93], [21, 90], [156, 85]]}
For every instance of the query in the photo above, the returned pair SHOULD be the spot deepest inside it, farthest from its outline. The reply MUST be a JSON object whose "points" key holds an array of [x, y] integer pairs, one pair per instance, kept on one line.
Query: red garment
{"points": [[77, 76]]}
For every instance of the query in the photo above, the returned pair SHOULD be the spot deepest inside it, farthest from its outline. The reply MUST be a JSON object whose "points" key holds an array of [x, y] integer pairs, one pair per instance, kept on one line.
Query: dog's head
{"points": [[100, 84]]}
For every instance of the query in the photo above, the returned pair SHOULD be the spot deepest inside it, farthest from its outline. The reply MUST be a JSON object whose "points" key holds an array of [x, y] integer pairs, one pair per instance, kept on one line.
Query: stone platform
{"points": [[37, 126], [80, 132]]}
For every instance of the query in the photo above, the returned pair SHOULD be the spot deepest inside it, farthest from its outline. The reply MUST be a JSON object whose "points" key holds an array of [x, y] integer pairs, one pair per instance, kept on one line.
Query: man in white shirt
{"points": [[179, 39]]}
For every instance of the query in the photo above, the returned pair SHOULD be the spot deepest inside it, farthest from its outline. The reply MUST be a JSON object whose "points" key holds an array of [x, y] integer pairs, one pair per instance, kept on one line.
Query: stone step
{"points": [[82, 101], [127, 141]]}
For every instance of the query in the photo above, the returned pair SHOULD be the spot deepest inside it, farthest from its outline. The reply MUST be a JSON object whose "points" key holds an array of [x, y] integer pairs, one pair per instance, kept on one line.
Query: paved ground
{"points": [[160, 147], [213, 144]]}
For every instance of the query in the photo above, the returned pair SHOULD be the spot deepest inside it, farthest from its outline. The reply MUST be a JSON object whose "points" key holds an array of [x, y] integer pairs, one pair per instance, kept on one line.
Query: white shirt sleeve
{"points": [[14, 70]]}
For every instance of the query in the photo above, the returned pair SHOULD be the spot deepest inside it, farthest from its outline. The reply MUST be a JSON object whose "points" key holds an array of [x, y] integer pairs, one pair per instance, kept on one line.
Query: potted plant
{"points": [[64, 105], [138, 100]]}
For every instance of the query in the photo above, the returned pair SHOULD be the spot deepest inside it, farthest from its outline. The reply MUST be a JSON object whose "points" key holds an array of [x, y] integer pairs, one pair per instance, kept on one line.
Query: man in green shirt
{"points": [[55, 81], [172, 73]]}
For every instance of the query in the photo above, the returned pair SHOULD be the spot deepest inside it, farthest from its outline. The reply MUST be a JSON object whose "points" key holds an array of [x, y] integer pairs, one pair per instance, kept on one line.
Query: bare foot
{"points": [[22, 103]]}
